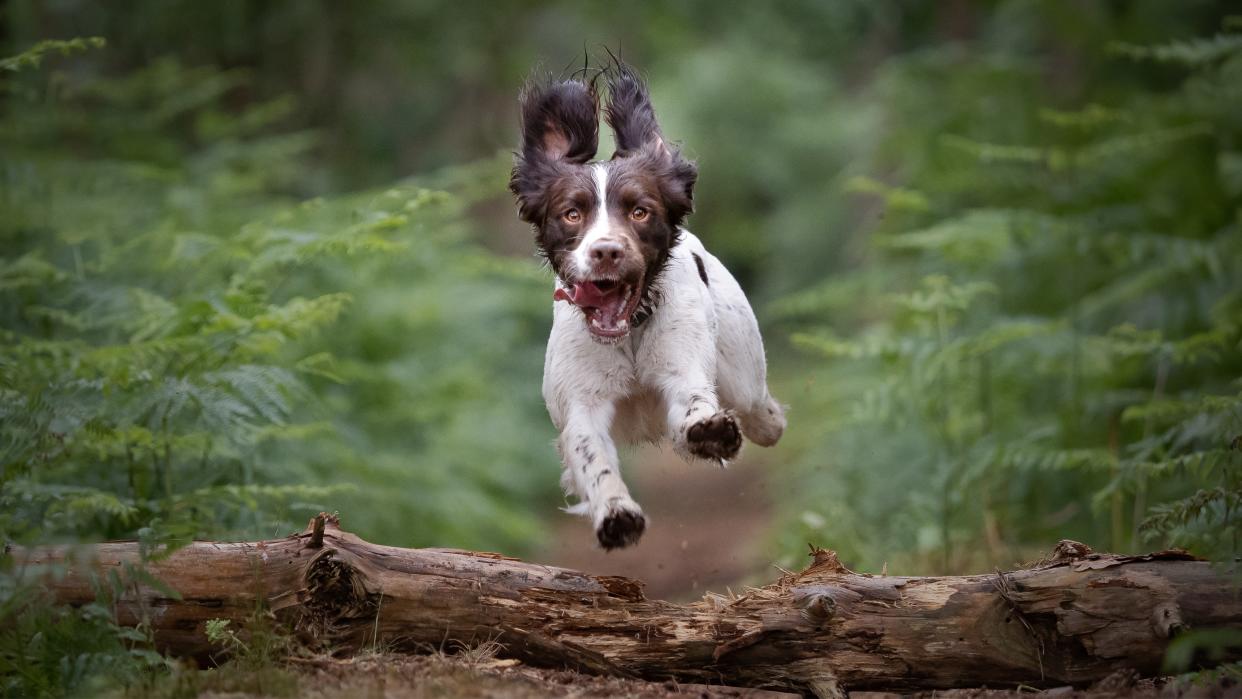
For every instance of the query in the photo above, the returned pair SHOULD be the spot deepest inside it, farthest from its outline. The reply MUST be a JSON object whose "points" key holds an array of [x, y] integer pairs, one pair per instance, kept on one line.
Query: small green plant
{"points": [[218, 632], [1205, 647], [475, 655], [261, 644]]}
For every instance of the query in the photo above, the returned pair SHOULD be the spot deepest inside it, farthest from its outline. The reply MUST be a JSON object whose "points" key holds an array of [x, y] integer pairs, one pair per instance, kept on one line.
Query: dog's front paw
{"points": [[716, 438], [622, 525]]}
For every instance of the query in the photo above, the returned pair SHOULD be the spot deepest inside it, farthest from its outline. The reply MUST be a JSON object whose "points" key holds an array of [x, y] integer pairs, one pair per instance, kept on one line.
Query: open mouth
{"points": [[608, 304]]}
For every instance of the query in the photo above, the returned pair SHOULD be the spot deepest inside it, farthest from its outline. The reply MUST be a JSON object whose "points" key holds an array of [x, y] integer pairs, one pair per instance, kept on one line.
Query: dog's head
{"points": [[606, 227]]}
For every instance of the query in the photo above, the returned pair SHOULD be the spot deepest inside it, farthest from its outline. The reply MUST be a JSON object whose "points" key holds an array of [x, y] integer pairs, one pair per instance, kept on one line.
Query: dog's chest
{"points": [[640, 416], [640, 412]]}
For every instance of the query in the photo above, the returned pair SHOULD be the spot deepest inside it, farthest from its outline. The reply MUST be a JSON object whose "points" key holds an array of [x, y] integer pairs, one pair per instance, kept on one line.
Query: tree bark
{"points": [[1071, 619]]}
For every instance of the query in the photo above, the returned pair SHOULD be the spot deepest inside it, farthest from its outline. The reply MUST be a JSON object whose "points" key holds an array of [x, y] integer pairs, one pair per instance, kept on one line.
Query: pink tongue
{"points": [[607, 306], [584, 294]]}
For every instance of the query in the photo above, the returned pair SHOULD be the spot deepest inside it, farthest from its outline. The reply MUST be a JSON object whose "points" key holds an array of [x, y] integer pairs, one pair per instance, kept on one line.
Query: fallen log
{"points": [[1074, 618]]}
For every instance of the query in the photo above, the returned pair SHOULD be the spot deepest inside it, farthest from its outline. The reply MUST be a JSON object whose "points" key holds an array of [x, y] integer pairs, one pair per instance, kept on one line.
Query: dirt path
{"points": [[473, 674], [440, 677], [707, 528]]}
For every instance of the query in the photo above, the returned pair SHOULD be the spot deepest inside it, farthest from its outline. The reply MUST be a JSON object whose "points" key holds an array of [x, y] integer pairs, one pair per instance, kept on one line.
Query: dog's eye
{"points": [[572, 216], [639, 214]]}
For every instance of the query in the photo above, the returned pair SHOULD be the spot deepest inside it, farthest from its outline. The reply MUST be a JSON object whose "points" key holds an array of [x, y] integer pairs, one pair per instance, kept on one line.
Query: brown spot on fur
{"points": [[698, 262]]}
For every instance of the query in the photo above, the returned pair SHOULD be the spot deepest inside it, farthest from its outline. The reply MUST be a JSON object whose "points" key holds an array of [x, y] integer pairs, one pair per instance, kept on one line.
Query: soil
{"points": [[441, 677], [378, 676], [449, 677]]}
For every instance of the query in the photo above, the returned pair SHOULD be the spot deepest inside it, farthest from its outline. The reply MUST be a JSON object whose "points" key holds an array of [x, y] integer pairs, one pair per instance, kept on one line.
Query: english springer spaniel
{"points": [[655, 339]]}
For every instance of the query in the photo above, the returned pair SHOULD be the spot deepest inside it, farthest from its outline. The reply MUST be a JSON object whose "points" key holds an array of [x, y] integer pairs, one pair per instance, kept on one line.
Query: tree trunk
{"points": [[1072, 619]]}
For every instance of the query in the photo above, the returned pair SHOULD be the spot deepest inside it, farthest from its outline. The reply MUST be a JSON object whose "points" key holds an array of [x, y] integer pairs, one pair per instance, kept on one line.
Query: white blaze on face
{"points": [[600, 228]]}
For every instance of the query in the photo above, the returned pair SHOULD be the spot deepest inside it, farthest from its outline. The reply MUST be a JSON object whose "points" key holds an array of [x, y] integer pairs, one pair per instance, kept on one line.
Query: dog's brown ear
{"points": [[560, 121], [633, 121], [630, 113], [560, 126]]}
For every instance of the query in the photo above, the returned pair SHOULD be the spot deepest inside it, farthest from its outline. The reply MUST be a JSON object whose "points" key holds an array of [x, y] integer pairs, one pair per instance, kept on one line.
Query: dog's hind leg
{"points": [[764, 423], [742, 377]]}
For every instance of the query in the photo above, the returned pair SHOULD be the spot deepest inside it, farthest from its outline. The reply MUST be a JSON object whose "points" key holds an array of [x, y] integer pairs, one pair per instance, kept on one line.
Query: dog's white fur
{"points": [[598, 229], [698, 355]]}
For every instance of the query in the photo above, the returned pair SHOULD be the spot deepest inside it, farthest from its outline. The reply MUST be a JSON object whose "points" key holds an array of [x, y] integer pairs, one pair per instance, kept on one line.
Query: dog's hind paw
{"points": [[622, 526], [716, 438]]}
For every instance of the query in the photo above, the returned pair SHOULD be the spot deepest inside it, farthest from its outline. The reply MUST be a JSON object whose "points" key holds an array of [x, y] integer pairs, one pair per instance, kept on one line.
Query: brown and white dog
{"points": [[655, 339]]}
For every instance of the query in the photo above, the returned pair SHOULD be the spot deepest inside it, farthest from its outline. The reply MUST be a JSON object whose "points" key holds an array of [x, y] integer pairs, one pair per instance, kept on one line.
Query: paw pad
{"points": [[716, 438], [620, 528]]}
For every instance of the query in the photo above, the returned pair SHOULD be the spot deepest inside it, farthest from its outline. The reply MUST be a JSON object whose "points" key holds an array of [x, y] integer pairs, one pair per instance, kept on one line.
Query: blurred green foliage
{"points": [[165, 354], [190, 351], [1042, 338], [257, 259]]}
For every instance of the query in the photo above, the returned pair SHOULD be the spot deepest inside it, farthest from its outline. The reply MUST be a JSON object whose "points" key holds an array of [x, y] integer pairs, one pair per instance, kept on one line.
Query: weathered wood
{"points": [[1072, 619]]}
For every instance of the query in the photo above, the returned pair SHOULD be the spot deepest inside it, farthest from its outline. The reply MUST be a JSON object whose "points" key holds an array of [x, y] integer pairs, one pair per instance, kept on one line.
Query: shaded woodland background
{"points": [[258, 260]]}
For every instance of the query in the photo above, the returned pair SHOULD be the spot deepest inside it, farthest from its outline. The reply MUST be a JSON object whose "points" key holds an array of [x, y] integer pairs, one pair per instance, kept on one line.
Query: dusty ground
{"points": [[707, 527], [432, 677], [438, 677], [454, 677]]}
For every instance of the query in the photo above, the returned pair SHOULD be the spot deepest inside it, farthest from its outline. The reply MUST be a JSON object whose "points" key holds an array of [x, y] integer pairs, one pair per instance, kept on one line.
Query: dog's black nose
{"points": [[607, 251]]}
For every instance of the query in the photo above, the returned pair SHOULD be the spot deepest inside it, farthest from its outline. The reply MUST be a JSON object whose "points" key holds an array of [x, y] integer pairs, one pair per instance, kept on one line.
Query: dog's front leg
{"points": [[685, 373], [593, 470]]}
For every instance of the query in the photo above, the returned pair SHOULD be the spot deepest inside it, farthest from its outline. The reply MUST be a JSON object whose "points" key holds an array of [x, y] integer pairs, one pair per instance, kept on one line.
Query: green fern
{"points": [[1055, 327], [1193, 52], [33, 56]]}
